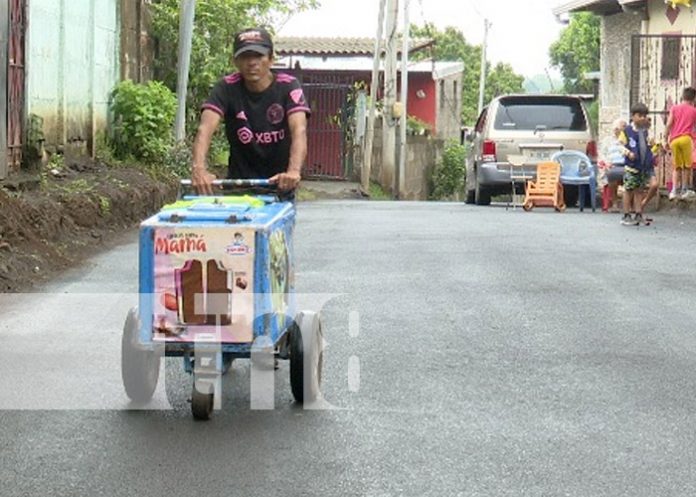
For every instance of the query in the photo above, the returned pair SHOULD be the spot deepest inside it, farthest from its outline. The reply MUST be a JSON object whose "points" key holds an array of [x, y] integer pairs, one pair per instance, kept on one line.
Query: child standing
{"points": [[639, 164], [680, 125]]}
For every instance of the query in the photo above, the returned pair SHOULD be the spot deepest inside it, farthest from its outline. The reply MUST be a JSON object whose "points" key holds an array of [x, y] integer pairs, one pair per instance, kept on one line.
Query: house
{"points": [[59, 62], [648, 54], [331, 69]]}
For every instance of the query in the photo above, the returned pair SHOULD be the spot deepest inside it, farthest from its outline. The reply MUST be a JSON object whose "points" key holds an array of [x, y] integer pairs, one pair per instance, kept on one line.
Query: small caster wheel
{"points": [[202, 403]]}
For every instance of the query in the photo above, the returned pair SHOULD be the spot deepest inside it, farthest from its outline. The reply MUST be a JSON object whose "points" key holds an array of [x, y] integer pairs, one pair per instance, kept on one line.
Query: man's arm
{"points": [[297, 121], [200, 177]]}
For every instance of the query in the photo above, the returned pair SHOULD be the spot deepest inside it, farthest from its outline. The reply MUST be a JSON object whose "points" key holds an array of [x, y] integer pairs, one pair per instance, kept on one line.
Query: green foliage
{"points": [[449, 175], [451, 45], [216, 22], [415, 126], [576, 52], [378, 193], [593, 111], [143, 120]]}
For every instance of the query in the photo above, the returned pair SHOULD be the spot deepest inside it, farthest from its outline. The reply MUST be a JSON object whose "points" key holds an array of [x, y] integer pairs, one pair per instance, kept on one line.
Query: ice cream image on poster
{"points": [[279, 274], [203, 284]]}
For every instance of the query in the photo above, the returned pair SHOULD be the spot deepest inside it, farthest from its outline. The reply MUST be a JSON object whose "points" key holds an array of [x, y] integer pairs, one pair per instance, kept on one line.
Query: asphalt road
{"points": [[500, 353]]}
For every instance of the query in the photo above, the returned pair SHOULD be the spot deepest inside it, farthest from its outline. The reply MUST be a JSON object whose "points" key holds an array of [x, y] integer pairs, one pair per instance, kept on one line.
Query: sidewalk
{"points": [[321, 189]]}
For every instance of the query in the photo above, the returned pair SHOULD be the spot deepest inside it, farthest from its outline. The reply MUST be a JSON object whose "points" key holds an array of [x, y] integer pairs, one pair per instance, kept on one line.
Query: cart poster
{"points": [[203, 284]]}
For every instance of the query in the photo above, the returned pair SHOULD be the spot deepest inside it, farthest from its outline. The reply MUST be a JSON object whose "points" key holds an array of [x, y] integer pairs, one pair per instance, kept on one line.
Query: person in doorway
{"points": [[639, 164], [265, 116], [680, 126]]}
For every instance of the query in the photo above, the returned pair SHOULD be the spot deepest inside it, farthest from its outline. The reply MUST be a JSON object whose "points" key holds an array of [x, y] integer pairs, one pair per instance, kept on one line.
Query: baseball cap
{"points": [[253, 40]]}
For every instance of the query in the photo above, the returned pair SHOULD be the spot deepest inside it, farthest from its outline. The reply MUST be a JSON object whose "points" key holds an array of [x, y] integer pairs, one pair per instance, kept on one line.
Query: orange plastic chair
{"points": [[546, 189]]}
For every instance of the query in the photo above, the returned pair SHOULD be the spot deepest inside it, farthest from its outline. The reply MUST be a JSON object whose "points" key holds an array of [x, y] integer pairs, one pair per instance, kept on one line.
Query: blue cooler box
{"points": [[219, 270]]}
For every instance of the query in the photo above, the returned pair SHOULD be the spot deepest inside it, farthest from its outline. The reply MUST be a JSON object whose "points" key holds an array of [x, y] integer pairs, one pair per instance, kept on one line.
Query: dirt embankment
{"points": [[77, 209]]}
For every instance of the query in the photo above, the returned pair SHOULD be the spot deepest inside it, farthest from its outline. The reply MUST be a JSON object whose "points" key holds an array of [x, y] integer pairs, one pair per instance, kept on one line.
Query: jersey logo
{"points": [[297, 96], [242, 116], [275, 114], [245, 135]]}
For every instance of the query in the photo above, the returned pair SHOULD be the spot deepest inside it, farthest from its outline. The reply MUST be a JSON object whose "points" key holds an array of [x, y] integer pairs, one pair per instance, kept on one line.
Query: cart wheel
{"points": [[139, 368], [528, 206], [202, 403], [306, 357], [226, 364]]}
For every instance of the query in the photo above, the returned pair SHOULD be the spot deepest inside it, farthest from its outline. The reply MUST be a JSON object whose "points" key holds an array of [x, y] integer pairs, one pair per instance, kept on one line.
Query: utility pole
{"points": [[482, 87], [370, 132], [187, 14], [403, 149], [390, 73]]}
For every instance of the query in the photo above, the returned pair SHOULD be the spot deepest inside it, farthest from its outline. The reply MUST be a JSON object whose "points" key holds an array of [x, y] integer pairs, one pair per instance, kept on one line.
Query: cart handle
{"points": [[244, 183]]}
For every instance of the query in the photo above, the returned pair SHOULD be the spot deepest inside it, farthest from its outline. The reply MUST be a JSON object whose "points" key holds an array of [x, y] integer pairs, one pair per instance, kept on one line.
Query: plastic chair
{"points": [[577, 169], [546, 189]]}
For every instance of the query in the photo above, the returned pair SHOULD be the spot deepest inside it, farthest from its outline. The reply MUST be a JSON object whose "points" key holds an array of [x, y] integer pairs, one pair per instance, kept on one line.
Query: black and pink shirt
{"points": [[257, 123]]}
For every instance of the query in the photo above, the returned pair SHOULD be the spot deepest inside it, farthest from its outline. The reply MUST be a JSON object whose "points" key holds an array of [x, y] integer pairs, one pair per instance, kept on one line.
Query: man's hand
{"points": [[286, 181], [202, 180]]}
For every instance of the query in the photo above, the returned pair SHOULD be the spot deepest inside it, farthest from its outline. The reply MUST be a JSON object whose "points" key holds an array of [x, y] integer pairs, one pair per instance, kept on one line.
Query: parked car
{"points": [[524, 130]]}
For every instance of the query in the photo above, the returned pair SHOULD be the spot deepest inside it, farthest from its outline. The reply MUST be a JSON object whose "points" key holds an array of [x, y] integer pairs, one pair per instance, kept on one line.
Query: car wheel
{"points": [[483, 196], [470, 196]]}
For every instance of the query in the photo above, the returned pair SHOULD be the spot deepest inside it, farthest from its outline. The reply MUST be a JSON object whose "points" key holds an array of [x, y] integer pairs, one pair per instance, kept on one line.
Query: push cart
{"points": [[217, 283]]}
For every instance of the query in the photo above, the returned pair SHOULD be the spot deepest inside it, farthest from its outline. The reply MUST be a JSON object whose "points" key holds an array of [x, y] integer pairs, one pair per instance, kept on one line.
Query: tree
{"points": [[451, 45], [576, 52], [216, 23]]}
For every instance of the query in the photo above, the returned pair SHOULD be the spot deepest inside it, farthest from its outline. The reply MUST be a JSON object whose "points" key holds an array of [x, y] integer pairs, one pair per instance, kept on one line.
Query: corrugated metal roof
{"points": [[337, 46], [438, 69]]}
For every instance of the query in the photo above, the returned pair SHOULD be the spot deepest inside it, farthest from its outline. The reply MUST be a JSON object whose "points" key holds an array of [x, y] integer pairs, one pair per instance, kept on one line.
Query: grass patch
{"points": [[378, 193], [304, 195]]}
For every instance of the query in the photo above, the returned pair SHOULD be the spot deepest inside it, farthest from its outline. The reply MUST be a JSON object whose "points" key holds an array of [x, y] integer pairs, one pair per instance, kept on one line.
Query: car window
{"points": [[481, 121], [523, 113]]}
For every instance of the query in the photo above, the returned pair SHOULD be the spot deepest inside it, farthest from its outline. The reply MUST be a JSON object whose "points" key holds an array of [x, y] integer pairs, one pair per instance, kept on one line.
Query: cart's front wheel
{"points": [[202, 402], [139, 367], [306, 357]]}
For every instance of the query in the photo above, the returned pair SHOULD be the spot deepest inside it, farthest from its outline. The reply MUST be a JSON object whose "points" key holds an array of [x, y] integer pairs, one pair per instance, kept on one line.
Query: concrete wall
{"points": [[423, 153], [449, 107], [72, 66], [137, 46], [615, 47], [4, 47]]}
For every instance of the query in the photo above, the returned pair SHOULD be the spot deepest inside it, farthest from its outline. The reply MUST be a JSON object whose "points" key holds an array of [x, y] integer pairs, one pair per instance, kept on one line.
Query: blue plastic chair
{"points": [[577, 169]]}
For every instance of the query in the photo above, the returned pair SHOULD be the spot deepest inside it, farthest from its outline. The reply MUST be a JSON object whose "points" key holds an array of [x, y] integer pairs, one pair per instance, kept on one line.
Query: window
{"points": [[455, 93], [671, 46], [442, 94], [547, 113]]}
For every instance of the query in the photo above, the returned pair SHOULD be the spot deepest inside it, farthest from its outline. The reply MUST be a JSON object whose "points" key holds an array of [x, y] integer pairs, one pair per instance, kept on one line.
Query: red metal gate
{"points": [[15, 84], [327, 147]]}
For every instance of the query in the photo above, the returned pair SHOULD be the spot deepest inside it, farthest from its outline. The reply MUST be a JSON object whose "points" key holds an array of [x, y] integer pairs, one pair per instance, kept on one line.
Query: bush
{"points": [[143, 120], [449, 175]]}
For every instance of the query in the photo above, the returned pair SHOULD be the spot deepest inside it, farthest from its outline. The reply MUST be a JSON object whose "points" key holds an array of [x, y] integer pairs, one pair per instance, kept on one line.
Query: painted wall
{"points": [[660, 22], [422, 98], [72, 66]]}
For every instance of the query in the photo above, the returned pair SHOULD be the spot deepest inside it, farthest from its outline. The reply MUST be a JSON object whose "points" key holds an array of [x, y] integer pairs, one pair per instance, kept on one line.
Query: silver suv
{"points": [[523, 130]]}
